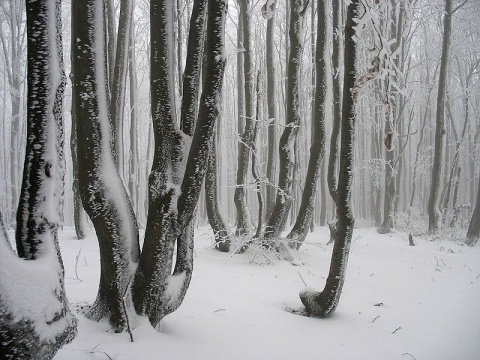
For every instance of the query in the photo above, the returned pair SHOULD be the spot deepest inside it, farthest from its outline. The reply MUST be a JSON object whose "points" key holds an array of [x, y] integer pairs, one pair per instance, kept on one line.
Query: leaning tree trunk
{"points": [[36, 327], [317, 149], [279, 215], [434, 213], [103, 194], [324, 303]]}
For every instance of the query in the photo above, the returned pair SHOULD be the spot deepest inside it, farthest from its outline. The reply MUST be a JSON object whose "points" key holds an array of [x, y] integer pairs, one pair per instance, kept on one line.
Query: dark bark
{"points": [[433, 211], [174, 195], [23, 334], [317, 149], [279, 215], [119, 81], [245, 144], [323, 303], [103, 195], [193, 67], [222, 240]]}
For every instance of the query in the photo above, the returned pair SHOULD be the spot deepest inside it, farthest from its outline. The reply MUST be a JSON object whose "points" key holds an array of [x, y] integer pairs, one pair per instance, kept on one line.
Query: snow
{"points": [[398, 302]]}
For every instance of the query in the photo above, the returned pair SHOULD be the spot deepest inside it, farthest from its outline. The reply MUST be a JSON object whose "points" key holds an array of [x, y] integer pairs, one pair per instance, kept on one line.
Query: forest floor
{"points": [[399, 302]]}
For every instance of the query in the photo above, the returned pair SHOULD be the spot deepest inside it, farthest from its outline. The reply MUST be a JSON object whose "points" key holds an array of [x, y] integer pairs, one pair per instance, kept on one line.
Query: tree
{"points": [[317, 149], [279, 214], [325, 302], [178, 169], [12, 40], [37, 328], [433, 211], [246, 137]]}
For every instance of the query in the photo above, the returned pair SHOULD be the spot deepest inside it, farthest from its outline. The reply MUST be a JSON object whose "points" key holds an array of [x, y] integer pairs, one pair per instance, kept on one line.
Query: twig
{"points": [[76, 265], [124, 303], [413, 357], [398, 328], [301, 278], [93, 351], [218, 310], [376, 317]]}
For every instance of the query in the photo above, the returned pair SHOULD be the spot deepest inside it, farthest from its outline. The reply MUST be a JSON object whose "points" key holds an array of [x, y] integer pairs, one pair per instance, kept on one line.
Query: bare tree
{"points": [[37, 329], [325, 302]]}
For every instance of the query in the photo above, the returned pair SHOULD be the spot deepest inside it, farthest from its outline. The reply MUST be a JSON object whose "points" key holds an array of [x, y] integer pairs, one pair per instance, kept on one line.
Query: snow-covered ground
{"points": [[398, 302]]}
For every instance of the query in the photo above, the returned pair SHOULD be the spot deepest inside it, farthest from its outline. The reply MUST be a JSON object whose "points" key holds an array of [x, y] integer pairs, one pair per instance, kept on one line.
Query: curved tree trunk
{"points": [[103, 194], [36, 330], [317, 149], [324, 303]]}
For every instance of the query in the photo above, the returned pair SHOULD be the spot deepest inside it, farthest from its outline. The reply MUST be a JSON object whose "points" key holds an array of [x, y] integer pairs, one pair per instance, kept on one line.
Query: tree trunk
{"points": [[119, 81], [38, 330], [176, 180], [434, 213], [473, 232], [317, 149], [222, 240], [279, 215], [323, 303], [247, 135], [103, 194], [272, 112]]}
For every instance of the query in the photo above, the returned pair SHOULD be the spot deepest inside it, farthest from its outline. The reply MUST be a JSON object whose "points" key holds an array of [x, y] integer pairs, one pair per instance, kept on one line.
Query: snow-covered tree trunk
{"points": [[279, 214], [317, 149], [35, 320], [434, 213], [103, 194], [325, 302], [178, 170], [337, 110], [247, 135]]}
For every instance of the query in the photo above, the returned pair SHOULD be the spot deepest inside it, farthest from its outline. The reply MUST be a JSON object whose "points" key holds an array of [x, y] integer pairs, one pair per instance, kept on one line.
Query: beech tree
{"points": [[179, 164], [325, 302], [38, 326], [434, 214]]}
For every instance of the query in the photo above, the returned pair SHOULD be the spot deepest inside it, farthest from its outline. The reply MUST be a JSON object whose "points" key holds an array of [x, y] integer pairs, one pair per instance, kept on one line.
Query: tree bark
{"points": [[38, 330], [246, 138], [317, 149], [176, 177], [434, 213], [279, 215], [103, 194], [324, 303]]}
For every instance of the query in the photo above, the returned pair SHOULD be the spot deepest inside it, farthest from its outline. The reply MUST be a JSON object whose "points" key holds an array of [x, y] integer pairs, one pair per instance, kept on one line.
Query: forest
{"points": [[141, 137]]}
